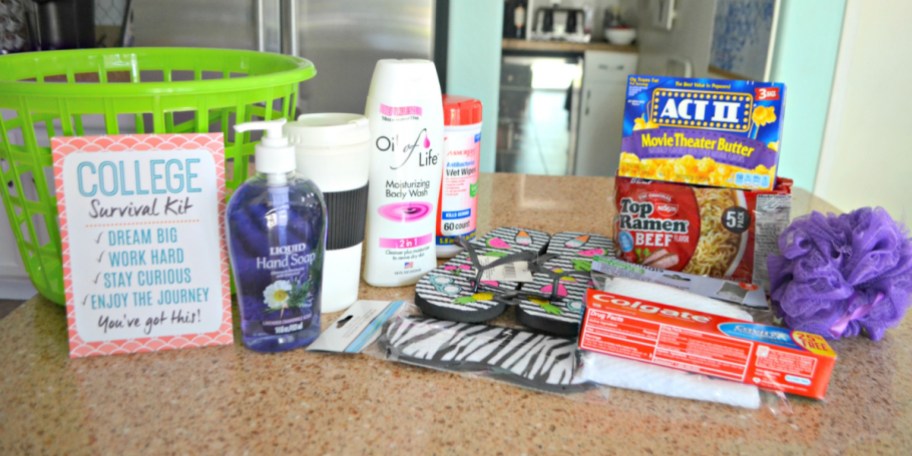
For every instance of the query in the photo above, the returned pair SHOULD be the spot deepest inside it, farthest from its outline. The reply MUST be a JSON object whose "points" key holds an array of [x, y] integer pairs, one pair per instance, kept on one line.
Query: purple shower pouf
{"points": [[842, 275]]}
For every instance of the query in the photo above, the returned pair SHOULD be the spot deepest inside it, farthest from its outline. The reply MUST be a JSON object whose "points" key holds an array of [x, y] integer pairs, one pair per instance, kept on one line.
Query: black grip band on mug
{"points": [[347, 211]]}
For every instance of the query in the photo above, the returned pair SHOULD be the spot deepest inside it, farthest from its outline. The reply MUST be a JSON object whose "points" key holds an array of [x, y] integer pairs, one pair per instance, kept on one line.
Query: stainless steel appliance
{"points": [[63, 24], [344, 38], [559, 24]]}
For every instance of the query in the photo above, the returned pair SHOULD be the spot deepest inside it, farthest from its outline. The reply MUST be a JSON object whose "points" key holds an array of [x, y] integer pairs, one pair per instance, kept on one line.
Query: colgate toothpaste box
{"points": [[769, 357]]}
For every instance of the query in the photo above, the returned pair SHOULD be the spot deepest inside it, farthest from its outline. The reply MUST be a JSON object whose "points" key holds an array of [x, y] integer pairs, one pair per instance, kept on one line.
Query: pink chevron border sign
{"points": [[145, 259]]}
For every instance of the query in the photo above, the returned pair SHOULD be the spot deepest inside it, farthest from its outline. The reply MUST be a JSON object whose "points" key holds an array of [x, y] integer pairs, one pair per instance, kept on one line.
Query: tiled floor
{"points": [[538, 136], [7, 306]]}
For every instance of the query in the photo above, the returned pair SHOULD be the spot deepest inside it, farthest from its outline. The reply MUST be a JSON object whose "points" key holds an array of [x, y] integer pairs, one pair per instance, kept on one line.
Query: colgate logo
{"points": [[666, 209], [649, 307]]}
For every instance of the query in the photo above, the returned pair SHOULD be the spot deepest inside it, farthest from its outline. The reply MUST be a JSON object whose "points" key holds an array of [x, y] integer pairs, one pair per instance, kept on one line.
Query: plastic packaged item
{"points": [[718, 232], [395, 331], [642, 325], [333, 150], [357, 328], [702, 131], [536, 361], [741, 293], [406, 121], [458, 202], [611, 370], [526, 358], [276, 228]]}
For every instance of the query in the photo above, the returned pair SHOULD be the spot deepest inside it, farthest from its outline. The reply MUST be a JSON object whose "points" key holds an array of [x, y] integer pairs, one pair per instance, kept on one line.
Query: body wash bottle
{"points": [[405, 110], [276, 225]]}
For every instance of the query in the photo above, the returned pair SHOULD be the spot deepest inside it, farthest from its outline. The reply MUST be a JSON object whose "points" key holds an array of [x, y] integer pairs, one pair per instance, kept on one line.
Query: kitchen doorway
{"points": [[537, 114]]}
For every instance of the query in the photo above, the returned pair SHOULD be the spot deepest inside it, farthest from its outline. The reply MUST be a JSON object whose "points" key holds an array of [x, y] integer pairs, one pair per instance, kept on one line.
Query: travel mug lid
{"points": [[327, 130]]}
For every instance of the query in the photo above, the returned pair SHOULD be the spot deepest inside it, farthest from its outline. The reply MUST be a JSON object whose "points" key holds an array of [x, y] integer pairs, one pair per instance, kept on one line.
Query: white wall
{"points": [[804, 58], [866, 158], [473, 64]]}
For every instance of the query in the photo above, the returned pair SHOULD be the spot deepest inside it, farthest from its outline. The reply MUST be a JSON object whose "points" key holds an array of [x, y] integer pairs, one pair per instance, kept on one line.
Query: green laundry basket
{"points": [[121, 91]]}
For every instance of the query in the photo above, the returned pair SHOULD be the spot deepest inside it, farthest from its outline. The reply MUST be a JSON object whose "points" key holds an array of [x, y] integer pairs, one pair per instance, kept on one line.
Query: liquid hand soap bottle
{"points": [[276, 225]]}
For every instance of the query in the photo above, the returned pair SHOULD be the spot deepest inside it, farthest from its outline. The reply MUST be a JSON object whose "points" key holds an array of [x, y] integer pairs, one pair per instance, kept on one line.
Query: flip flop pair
{"points": [[457, 290], [551, 303]]}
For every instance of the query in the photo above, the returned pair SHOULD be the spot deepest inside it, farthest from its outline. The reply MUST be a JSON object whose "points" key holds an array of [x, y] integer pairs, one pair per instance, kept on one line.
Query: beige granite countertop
{"points": [[229, 400]]}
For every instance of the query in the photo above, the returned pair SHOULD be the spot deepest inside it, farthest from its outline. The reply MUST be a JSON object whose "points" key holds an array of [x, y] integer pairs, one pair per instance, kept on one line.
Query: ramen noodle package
{"points": [[702, 131], [718, 232]]}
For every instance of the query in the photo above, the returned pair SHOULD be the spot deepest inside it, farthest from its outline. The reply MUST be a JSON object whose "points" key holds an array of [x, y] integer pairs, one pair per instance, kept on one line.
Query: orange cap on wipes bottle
{"points": [[459, 110]]}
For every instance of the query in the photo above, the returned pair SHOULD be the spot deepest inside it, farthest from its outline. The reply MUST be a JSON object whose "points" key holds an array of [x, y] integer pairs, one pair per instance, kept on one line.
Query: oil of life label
{"points": [[144, 256], [407, 199], [459, 192]]}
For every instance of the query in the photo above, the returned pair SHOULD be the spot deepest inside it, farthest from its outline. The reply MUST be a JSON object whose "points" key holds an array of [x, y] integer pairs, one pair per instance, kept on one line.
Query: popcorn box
{"points": [[702, 131], [769, 357]]}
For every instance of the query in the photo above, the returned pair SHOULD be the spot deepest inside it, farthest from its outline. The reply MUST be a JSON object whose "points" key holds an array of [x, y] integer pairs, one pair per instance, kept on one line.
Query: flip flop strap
{"points": [[480, 269]]}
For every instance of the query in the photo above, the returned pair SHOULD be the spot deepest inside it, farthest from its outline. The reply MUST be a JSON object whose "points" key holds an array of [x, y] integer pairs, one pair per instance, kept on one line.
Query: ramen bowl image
{"points": [[707, 231]]}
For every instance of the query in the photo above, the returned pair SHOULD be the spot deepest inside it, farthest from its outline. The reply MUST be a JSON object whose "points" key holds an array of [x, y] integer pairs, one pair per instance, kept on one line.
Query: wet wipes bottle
{"points": [[458, 201], [276, 227], [406, 122]]}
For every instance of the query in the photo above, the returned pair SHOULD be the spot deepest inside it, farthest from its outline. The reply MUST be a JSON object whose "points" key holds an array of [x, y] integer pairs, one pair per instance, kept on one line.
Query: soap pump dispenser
{"points": [[276, 228]]}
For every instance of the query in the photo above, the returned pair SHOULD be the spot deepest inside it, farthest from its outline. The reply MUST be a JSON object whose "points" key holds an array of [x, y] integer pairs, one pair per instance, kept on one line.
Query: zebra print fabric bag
{"points": [[533, 360]]}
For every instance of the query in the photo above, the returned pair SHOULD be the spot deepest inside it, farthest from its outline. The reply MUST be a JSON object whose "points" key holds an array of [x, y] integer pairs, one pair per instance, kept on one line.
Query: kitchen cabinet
{"points": [[601, 119]]}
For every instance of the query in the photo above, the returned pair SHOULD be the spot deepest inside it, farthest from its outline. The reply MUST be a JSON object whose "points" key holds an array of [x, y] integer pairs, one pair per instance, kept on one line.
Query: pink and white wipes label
{"points": [[459, 188]]}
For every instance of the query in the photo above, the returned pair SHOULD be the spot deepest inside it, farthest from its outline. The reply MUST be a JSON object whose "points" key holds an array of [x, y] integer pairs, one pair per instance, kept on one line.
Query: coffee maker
{"points": [[559, 24]]}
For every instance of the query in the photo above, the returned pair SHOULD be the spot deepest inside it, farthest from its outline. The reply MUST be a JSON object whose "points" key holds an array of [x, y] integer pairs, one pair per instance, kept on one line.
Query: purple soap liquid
{"points": [[276, 240]]}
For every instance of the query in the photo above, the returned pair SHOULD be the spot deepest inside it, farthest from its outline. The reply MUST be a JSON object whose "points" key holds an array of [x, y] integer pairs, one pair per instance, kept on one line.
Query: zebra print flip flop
{"points": [[553, 302], [528, 359], [454, 292], [511, 238], [582, 246]]}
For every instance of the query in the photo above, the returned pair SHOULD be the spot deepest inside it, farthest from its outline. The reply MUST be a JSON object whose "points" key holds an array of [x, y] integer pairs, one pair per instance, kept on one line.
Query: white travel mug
{"points": [[333, 151]]}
